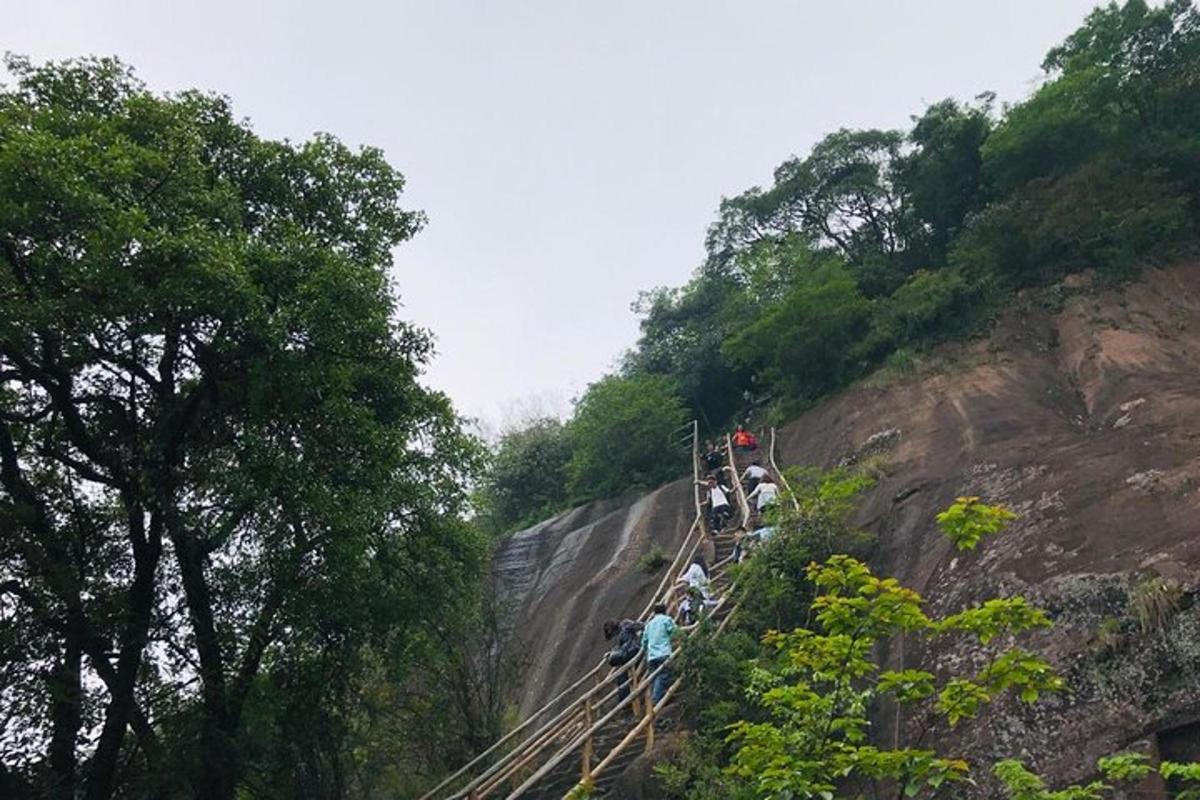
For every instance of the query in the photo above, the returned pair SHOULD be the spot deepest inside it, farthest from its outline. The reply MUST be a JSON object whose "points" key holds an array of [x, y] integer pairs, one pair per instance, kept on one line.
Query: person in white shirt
{"points": [[765, 493], [753, 475], [719, 510], [696, 577], [698, 593]]}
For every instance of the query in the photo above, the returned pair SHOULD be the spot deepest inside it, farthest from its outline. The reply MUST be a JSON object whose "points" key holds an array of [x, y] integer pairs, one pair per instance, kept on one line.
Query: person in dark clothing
{"points": [[713, 458], [628, 634], [722, 476]]}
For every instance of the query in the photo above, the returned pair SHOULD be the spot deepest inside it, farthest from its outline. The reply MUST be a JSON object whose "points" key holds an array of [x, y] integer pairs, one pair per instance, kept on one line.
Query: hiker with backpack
{"points": [[628, 634]]}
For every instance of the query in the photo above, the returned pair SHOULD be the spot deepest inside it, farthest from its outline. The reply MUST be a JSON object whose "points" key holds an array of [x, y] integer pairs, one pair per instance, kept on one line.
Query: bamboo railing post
{"points": [[648, 699], [531, 745], [586, 771], [634, 676]]}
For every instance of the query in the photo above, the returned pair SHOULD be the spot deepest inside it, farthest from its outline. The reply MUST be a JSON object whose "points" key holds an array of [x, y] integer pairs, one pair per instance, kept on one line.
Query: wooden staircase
{"points": [[586, 734]]}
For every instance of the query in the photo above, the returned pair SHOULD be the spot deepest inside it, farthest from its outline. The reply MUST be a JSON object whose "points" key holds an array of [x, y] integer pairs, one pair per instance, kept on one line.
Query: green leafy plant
{"points": [[654, 560], [817, 690], [623, 435], [581, 791], [968, 520], [812, 522], [1122, 769]]}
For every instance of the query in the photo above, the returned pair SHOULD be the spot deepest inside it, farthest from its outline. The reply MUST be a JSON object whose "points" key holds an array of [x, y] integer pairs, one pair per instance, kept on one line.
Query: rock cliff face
{"points": [[1080, 412], [560, 580]]}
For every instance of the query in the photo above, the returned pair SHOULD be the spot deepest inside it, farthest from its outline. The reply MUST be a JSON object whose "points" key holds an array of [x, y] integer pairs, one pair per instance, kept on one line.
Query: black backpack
{"points": [[629, 641]]}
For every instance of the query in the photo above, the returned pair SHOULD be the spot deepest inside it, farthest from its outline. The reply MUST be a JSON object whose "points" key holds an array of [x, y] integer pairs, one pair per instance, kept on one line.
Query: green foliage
{"points": [[927, 307], [220, 477], [943, 172], [1108, 638], [812, 523], [805, 344], [1155, 601], [792, 718], [816, 695], [624, 434], [1122, 768], [884, 241], [994, 616], [1125, 767], [654, 560], [693, 772], [967, 521], [581, 791], [681, 335], [526, 479]]}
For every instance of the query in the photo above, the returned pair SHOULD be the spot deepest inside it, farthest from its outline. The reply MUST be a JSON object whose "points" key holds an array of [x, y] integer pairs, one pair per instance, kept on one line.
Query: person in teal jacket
{"points": [[656, 643]]}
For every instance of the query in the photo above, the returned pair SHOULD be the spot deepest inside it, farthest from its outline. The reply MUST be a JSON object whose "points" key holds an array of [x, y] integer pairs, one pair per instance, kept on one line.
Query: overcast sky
{"points": [[568, 153]]}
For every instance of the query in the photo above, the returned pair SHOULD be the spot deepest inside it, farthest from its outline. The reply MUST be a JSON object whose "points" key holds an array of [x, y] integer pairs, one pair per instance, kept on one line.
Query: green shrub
{"points": [[653, 561], [624, 435], [930, 305], [805, 345], [1155, 601], [526, 480]]}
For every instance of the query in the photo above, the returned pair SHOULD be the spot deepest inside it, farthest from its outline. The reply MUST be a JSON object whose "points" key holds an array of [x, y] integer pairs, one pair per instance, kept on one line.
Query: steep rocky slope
{"points": [[1081, 412], [560, 580]]}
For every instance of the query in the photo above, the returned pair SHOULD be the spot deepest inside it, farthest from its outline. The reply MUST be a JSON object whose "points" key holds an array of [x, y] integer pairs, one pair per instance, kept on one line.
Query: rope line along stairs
{"points": [[586, 732]]}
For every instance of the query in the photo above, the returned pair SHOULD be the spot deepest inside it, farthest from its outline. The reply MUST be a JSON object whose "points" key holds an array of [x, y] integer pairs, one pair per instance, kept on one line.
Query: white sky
{"points": [[568, 153]]}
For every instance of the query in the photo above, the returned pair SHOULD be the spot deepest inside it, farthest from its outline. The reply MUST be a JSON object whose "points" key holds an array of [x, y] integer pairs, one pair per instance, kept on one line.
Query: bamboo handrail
{"points": [[739, 490], [539, 737], [779, 473], [572, 721], [535, 715], [548, 731], [566, 751]]}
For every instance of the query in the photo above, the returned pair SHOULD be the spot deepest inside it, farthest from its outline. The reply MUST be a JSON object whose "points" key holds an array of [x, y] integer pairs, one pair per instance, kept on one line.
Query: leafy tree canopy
{"points": [[218, 471], [626, 432]]}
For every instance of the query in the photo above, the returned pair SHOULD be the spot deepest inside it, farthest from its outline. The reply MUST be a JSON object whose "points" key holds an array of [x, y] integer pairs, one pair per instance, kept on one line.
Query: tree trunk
{"points": [[66, 717], [215, 779], [117, 716]]}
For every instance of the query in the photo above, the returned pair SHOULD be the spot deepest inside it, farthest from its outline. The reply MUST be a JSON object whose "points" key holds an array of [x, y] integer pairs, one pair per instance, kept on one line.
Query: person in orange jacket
{"points": [[744, 440]]}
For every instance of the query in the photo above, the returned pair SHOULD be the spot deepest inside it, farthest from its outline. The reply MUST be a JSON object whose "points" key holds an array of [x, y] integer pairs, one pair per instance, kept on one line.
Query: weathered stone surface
{"points": [[1026, 417]]}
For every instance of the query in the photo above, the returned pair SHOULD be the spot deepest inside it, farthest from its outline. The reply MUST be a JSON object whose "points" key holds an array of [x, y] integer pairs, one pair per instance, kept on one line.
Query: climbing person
{"points": [[752, 475], [713, 458], [719, 510], [628, 634], [744, 441], [751, 542], [694, 581], [656, 642], [765, 493], [722, 476]]}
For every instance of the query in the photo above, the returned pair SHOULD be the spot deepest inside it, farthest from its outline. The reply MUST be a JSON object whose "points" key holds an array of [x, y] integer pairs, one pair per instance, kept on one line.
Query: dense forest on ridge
{"points": [[879, 243]]}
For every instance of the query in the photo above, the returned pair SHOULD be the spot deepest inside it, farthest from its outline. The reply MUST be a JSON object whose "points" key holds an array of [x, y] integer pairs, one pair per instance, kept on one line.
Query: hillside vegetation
{"points": [[877, 243]]}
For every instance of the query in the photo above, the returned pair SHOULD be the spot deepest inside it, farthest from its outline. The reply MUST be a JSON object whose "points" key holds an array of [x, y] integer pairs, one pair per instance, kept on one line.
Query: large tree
{"points": [[626, 433], [215, 455]]}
